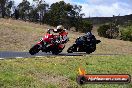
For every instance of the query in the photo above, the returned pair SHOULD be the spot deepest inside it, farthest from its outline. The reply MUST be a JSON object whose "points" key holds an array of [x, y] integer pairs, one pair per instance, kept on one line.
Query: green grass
{"points": [[61, 71], [126, 33]]}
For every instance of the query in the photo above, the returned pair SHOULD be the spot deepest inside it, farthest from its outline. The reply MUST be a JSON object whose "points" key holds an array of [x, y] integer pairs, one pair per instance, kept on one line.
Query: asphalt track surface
{"points": [[12, 54]]}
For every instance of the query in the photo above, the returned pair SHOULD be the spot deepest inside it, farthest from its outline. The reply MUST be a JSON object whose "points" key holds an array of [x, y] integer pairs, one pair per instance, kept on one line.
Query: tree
{"points": [[41, 8], [86, 26], [5, 7], [16, 14], [65, 14], [24, 8], [38, 10], [2, 6], [57, 13], [108, 31], [77, 17], [9, 6], [33, 15]]}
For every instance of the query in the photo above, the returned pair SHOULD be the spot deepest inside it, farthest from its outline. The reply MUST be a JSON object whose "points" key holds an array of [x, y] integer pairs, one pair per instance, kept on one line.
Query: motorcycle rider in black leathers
{"points": [[88, 38]]}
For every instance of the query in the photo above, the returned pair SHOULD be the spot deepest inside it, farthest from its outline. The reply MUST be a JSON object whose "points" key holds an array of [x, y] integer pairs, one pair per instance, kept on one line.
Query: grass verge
{"points": [[61, 71]]}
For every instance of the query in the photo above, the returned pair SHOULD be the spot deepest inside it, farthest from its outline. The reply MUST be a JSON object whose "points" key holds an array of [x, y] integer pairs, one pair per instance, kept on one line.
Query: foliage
{"points": [[41, 9], [112, 32], [24, 7], [86, 26], [5, 7], [57, 13], [102, 30], [126, 33], [16, 14], [62, 13], [108, 31]]}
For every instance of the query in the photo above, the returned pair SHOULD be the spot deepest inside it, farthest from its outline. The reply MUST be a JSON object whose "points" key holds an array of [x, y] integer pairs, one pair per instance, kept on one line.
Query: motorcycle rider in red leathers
{"points": [[62, 34]]}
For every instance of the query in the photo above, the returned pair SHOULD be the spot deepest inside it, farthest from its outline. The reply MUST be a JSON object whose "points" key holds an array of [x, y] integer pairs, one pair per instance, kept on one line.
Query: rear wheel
{"points": [[35, 49], [55, 53], [90, 49], [55, 50]]}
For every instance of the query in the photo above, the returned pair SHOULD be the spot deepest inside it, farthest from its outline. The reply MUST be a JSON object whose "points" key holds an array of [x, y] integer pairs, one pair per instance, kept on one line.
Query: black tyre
{"points": [[91, 49], [70, 49], [88, 52], [55, 51], [35, 49]]}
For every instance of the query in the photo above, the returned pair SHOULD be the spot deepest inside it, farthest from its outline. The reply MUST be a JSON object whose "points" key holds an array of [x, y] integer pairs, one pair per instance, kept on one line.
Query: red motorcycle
{"points": [[54, 44]]}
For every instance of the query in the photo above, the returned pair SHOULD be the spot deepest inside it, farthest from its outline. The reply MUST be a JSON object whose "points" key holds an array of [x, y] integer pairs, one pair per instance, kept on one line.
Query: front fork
{"points": [[44, 46], [41, 44], [74, 47]]}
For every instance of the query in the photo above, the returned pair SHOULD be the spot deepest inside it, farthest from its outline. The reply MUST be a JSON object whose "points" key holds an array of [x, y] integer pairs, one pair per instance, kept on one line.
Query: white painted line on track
{"points": [[39, 56], [1, 58], [18, 57]]}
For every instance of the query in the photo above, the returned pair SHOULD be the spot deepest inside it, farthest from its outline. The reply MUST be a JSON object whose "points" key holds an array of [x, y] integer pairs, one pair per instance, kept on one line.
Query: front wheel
{"points": [[35, 49], [71, 49]]}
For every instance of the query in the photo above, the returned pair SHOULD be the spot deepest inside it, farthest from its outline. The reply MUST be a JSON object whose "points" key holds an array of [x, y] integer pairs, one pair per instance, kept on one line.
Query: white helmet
{"points": [[60, 27]]}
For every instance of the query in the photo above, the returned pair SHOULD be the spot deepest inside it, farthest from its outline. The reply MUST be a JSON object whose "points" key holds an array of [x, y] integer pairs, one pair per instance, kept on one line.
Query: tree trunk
{"points": [[3, 11], [2, 4]]}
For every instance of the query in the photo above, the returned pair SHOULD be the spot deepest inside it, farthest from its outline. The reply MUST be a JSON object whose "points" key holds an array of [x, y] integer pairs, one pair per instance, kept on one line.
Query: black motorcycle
{"points": [[82, 45]]}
